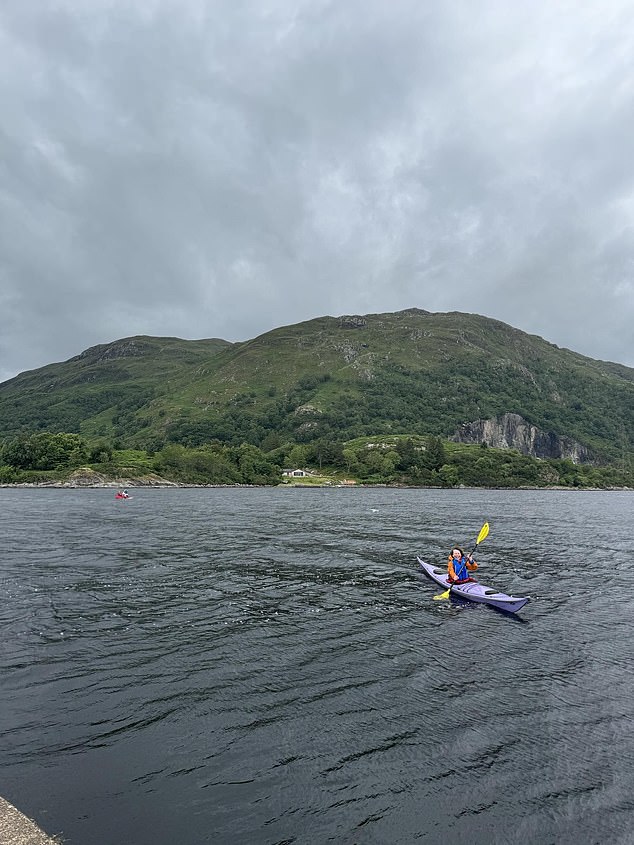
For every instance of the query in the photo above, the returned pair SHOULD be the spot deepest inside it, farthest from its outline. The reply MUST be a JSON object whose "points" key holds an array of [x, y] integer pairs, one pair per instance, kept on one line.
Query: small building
{"points": [[295, 473]]}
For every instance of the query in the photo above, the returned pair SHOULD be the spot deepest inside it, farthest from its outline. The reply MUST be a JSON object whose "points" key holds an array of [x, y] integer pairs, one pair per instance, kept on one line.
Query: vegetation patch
{"points": [[46, 458], [373, 399]]}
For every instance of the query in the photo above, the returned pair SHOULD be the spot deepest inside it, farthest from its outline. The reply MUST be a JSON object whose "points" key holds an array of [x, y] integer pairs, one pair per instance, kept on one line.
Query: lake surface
{"points": [[258, 667]]}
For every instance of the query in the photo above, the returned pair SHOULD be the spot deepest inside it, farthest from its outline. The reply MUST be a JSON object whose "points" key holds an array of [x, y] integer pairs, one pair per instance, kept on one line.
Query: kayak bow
{"points": [[473, 590]]}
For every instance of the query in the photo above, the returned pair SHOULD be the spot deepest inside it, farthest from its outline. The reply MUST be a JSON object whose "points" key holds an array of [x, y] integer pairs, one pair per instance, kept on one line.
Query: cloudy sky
{"points": [[218, 168]]}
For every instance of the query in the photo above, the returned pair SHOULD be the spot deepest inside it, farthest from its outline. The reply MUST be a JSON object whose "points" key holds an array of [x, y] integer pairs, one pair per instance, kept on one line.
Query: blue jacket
{"points": [[459, 569]]}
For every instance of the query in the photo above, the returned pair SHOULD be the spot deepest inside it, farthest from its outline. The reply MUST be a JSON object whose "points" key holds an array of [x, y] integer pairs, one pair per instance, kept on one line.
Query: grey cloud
{"points": [[219, 169]]}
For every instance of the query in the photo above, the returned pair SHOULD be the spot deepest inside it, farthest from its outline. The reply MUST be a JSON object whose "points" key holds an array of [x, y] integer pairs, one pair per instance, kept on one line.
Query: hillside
{"points": [[104, 382], [410, 372]]}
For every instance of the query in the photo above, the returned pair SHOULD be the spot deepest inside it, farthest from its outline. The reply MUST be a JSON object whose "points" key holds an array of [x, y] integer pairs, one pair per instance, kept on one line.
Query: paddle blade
{"points": [[444, 595], [484, 532]]}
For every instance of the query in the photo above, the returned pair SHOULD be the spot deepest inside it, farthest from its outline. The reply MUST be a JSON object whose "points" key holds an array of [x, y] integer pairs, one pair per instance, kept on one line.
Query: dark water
{"points": [[267, 666]]}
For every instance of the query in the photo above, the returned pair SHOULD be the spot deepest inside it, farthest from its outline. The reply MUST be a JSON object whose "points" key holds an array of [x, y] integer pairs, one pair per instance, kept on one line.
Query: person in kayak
{"points": [[459, 565]]}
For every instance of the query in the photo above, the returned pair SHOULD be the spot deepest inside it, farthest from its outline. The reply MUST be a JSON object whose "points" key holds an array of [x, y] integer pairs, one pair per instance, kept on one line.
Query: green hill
{"points": [[410, 372], [106, 382]]}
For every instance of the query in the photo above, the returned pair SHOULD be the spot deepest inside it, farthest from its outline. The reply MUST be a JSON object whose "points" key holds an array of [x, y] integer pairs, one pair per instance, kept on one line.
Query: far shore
{"points": [[177, 485]]}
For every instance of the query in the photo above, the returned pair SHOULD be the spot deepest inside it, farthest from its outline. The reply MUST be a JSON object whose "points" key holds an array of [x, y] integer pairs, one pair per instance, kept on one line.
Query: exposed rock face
{"points": [[511, 431], [87, 477], [352, 322], [128, 348]]}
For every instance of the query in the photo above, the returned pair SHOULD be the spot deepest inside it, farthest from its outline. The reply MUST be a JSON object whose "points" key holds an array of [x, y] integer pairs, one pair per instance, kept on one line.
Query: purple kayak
{"points": [[474, 591]]}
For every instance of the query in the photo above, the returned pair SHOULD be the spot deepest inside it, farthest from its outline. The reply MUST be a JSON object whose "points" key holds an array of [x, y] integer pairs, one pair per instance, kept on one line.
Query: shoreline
{"points": [[18, 829], [178, 485]]}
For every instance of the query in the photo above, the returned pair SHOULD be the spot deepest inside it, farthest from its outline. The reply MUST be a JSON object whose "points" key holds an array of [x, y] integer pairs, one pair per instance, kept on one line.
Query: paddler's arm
{"points": [[451, 570]]}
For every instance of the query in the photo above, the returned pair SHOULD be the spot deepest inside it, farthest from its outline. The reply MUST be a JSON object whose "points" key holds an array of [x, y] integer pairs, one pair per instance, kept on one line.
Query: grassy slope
{"points": [[85, 392], [410, 372], [476, 366]]}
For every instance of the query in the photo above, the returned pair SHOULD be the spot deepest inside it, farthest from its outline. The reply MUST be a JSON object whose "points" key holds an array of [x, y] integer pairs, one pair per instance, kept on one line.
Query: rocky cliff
{"points": [[511, 431]]}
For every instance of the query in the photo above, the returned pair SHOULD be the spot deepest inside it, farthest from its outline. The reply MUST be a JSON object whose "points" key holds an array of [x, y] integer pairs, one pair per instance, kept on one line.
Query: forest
{"points": [[399, 460]]}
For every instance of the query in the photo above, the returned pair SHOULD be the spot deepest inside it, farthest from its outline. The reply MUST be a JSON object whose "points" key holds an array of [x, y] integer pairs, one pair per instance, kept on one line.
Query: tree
{"points": [[448, 475], [408, 454], [100, 453], [324, 451], [18, 452], [254, 466], [298, 457], [351, 460], [271, 441], [435, 453], [45, 451]]}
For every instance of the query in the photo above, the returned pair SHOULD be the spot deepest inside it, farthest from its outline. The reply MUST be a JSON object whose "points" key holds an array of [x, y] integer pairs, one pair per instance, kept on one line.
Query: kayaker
{"points": [[459, 565]]}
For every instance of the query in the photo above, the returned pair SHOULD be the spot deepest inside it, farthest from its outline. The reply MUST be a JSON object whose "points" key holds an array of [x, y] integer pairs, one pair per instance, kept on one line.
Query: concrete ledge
{"points": [[16, 829]]}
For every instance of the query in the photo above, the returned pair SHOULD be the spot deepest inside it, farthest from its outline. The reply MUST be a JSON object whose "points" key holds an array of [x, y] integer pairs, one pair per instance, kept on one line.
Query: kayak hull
{"points": [[474, 591]]}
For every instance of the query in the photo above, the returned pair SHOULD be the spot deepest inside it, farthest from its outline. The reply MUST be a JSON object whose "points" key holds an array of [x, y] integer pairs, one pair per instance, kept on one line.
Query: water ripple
{"points": [[268, 666]]}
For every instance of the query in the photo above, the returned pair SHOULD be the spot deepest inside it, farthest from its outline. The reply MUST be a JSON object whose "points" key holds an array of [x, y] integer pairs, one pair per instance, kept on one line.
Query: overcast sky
{"points": [[218, 168]]}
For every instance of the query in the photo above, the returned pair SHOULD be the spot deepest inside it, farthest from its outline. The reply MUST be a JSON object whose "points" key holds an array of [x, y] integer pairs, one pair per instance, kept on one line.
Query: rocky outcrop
{"points": [[126, 348], [511, 431], [87, 477], [354, 322]]}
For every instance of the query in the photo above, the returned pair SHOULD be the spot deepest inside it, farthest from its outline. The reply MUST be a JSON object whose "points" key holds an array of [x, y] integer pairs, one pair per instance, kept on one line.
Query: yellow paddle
{"points": [[484, 532]]}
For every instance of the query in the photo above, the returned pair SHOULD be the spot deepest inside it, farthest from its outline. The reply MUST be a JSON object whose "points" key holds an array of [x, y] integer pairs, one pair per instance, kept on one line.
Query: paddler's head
{"points": [[457, 553]]}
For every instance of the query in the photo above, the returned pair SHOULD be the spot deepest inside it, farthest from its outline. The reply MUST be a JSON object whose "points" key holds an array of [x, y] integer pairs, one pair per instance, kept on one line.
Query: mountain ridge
{"points": [[411, 371]]}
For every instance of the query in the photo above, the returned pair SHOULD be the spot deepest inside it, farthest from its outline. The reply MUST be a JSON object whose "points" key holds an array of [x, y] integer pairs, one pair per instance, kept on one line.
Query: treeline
{"points": [[430, 461], [43, 452], [44, 456], [396, 460]]}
